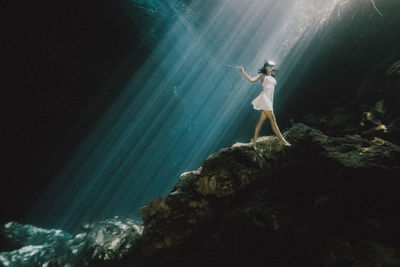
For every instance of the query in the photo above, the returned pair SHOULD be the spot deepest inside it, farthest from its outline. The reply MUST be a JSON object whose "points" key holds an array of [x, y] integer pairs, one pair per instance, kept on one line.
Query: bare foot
{"points": [[253, 142], [286, 143]]}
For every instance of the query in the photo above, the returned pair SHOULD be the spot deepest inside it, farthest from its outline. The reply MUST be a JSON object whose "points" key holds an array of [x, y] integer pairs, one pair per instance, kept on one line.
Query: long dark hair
{"points": [[264, 71]]}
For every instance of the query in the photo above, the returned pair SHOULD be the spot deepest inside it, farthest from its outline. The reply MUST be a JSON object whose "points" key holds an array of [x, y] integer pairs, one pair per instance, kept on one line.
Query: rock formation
{"points": [[328, 200], [325, 201]]}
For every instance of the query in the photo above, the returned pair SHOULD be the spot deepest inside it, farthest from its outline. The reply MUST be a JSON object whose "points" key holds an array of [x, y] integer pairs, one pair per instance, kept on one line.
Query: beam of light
{"points": [[179, 107]]}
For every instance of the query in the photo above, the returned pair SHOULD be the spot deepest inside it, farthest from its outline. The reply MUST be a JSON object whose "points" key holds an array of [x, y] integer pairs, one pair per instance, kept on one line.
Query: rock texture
{"points": [[101, 242], [325, 201], [329, 200], [370, 110]]}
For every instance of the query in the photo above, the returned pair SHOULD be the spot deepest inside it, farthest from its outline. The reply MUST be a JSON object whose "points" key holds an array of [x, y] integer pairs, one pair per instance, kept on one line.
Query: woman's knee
{"points": [[269, 114], [272, 117]]}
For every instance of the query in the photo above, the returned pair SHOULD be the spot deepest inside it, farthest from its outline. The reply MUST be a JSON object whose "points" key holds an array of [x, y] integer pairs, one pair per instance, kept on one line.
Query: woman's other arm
{"points": [[250, 79]]}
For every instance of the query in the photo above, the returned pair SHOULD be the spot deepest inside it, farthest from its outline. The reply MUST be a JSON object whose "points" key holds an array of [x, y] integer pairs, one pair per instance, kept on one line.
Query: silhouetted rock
{"points": [[325, 200], [393, 72]]}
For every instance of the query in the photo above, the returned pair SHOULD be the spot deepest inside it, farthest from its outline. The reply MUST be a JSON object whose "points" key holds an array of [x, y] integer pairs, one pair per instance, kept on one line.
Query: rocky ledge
{"points": [[324, 201]]}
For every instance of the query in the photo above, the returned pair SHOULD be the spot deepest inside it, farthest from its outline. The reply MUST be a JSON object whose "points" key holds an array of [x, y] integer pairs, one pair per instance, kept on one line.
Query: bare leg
{"points": [[275, 128], [263, 116]]}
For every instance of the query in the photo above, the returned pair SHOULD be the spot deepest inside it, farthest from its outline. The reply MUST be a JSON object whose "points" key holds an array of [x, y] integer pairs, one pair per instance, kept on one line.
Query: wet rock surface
{"points": [[100, 242]]}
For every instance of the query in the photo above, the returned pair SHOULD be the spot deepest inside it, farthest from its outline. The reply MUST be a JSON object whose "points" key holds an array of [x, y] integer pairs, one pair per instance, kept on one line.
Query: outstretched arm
{"points": [[250, 79]]}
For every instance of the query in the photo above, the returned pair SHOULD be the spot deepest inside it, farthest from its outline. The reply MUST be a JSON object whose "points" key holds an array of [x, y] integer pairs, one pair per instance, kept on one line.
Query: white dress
{"points": [[265, 100]]}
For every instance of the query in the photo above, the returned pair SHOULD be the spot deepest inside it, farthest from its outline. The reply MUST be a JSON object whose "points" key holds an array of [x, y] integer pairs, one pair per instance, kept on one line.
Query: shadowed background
{"points": [[109, 102]]}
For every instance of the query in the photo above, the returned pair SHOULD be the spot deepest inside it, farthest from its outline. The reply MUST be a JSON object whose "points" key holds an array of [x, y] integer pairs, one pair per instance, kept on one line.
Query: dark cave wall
{"points": [[64, 63], [357, 48]]}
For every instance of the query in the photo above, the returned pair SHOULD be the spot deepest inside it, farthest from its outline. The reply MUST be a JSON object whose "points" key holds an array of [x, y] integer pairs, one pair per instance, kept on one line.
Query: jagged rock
{"points": [[185, 180], [394, 70], [275, 205], [109, 239], [170, 221], [102, 241], [38, 246], [324, 201], [337, 122], [367, 121], [229, 170], [350, 151], [20, 235]]}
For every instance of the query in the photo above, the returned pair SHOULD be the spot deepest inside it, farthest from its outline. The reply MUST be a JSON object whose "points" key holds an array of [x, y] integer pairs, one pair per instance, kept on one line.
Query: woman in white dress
{"points": [[264, 101]]}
